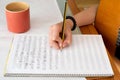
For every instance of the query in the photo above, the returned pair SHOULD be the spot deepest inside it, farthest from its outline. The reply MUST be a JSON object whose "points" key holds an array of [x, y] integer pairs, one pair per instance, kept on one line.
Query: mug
{"points": [[18, 17]]}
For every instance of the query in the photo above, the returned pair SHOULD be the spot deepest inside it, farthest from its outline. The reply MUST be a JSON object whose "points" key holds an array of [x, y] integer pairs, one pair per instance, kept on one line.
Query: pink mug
{"points": [[18, 17]]}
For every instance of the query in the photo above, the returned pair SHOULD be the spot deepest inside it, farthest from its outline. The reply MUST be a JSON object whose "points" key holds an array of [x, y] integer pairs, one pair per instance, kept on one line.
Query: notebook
{"points": [[31, 55]]}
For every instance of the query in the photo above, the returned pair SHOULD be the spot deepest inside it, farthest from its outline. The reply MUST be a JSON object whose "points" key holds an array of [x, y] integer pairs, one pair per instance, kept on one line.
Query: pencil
{"points": [[63, 26]]}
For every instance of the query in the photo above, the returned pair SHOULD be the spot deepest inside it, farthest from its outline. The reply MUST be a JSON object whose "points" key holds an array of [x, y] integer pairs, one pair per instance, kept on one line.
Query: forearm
{"points": [[86, 17]]}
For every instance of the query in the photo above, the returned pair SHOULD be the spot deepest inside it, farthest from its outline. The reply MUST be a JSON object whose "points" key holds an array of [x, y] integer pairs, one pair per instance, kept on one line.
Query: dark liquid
{"points": [[15, 10]]}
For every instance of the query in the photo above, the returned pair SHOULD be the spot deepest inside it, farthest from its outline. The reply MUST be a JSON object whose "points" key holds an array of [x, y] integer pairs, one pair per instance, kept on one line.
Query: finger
{"points": [[57, 39], [67, 40], [54, 44], [52, 41]]}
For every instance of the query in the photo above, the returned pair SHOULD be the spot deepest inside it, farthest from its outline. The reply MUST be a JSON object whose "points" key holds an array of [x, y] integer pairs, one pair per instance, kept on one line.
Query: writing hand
{"points": [[54, 36]]}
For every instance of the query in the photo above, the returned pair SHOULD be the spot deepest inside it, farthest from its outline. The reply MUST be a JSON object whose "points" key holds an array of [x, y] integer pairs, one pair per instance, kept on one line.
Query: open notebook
{"points": [[31, 55]]}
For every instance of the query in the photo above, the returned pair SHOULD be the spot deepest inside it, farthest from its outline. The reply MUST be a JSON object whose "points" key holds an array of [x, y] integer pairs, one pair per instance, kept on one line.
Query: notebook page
{"points": [[33, 53], [86, 56], [92, 57]]}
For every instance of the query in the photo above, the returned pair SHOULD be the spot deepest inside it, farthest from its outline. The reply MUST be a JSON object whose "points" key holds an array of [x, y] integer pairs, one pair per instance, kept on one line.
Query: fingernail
{"points": [[65, 44]]}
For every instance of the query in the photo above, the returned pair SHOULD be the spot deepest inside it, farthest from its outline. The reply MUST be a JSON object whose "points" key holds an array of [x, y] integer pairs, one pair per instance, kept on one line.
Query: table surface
{"points": [[43, 13]]}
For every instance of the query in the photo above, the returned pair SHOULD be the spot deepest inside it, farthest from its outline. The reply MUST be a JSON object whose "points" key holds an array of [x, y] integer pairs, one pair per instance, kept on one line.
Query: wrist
{"points": [[72, 22], [69, 24]]}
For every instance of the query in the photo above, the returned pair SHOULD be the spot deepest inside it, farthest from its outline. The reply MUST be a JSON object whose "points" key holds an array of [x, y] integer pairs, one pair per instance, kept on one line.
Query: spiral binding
{"points": [[57, 75], [117, 52]]}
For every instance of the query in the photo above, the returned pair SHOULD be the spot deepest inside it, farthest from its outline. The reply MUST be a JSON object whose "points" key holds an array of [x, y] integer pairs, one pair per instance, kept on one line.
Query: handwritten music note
{"points": [[35, 53]]}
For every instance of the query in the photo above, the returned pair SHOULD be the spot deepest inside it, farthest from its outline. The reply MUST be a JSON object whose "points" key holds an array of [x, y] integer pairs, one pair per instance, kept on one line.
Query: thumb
{"points": [[58, 40]]}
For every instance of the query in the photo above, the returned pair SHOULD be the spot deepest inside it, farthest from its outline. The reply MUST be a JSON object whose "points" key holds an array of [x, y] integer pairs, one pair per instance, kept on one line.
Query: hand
{"points": [[54, 35]]}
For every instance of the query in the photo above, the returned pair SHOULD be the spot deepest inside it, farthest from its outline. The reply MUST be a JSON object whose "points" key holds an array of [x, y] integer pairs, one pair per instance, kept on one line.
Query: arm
{"points": [[83, 18]]}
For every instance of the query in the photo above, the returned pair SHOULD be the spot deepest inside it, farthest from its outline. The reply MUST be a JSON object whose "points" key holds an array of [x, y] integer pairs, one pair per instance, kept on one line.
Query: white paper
{"points": [[32, 54]]}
